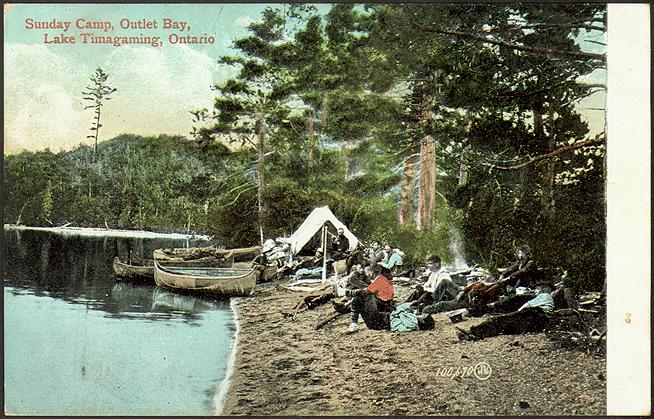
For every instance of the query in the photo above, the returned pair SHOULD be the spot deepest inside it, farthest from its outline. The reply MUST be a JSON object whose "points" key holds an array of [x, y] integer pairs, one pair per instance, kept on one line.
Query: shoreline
{"points": [[286, 367], [98, 231], [225, 384]]}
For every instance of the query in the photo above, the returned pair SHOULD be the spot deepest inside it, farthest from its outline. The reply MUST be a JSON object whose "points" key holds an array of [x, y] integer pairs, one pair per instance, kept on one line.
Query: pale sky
{"points": [[157, 86]]}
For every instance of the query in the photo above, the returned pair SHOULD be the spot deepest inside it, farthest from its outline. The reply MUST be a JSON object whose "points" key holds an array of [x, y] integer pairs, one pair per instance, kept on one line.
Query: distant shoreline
{"points": [[108, 232]]}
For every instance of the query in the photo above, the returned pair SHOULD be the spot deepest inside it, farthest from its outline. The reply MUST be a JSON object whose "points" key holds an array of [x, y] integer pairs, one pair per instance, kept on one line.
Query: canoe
{"points": [[143, 269], [206, 254], [220, 281], [138, 269], [269, 272]]}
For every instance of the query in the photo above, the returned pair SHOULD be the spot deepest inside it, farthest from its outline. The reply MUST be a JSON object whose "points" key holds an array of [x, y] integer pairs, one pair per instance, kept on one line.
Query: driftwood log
{"points": [[334, 316], [309, 301]]}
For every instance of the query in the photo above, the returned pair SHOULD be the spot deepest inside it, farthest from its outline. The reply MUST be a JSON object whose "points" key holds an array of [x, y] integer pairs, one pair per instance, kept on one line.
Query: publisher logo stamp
{"points": [[482, 371]]}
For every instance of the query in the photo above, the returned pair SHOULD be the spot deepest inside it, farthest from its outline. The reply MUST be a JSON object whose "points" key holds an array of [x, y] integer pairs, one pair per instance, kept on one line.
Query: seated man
{"points": [[533, 316], [523, 272], [374, 253], [281, 257], [374, 303], [357, 278], [392, 259], [355, 257], [439, 285], [311, 267], [340, 245], [267, 249]]}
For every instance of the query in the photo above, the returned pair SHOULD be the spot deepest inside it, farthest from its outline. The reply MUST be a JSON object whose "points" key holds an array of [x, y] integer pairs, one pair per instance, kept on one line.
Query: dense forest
{"points": [[414, 123]]}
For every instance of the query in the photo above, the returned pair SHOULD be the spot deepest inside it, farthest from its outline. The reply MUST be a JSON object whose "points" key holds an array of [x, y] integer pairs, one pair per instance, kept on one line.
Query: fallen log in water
{"points": [[185, 253]]}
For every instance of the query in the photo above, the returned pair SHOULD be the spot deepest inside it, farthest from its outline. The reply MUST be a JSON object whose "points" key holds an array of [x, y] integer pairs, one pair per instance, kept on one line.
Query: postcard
{"points": [[299, 209]]}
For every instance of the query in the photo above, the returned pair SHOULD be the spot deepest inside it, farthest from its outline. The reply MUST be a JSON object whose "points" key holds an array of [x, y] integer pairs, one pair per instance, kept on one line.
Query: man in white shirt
{"points": [[439, 285]]}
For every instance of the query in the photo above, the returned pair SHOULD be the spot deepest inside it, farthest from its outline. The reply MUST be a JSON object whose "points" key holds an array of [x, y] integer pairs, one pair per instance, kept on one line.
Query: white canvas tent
{"points": [[311, 228]]}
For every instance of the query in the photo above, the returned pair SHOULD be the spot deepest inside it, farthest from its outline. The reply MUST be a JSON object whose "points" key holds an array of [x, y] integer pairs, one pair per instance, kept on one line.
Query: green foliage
{"points": [[235, 224], [345, 97], [137, 182], [288, 205]]}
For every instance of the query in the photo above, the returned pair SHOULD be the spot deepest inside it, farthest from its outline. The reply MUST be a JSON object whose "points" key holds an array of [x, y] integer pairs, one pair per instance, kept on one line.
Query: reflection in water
{"points": [[74, 268], [167, 300], [150, 302], [77, 342]]}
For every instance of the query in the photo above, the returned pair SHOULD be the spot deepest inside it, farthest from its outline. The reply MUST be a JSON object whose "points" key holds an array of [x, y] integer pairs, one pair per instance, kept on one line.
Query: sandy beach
{"points": [[283, 366]]}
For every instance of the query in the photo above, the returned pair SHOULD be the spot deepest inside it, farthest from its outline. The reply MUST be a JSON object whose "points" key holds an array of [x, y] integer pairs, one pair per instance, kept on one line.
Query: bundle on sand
{"points": [[583, 328]]}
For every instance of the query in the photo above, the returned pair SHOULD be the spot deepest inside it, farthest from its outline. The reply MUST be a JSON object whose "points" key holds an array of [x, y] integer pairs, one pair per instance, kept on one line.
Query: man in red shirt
{"points": [[374, 303]]}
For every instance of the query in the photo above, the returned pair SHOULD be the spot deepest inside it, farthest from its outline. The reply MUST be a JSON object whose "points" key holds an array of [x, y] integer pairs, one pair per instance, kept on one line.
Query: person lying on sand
{"points": [[374, 303], [533, 316], [475, 296]]}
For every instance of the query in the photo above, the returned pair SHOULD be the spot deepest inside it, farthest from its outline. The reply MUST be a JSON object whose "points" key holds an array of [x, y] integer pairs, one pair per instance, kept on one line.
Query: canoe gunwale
{"points": [[127, 270], [225, 285]]}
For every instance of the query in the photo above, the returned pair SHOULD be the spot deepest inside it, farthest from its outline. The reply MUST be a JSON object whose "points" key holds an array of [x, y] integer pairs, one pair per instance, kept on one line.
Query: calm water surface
{"points": [[79, 342]]}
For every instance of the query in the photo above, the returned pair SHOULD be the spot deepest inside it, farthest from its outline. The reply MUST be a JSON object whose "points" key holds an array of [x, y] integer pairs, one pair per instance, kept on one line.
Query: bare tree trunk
{"points": [[539, 131], [311, 137], [407, 194], [97, 131], [20, 214], [261, 134], [464, 164], [548, 190], [324, 112], [464, 167], [427, 191], [347, 159]]}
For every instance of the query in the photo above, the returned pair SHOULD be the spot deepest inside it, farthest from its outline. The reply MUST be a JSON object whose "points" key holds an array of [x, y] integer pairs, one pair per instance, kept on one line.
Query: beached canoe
{"points": [[143, 269], [269, 272], [206, 254], [137, 269], [219, 281]]}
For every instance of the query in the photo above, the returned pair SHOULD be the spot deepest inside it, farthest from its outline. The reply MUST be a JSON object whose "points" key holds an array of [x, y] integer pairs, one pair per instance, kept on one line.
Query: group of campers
{"points": [[338, 259], [521, 296]]}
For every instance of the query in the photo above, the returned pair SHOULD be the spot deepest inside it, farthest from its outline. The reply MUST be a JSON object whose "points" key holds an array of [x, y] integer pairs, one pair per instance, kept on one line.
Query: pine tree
{"points": [[97, 93], [252, 106]]}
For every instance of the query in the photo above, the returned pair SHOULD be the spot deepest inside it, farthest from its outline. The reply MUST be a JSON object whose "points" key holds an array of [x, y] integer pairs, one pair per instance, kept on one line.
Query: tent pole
{"points": [[324, 254]]}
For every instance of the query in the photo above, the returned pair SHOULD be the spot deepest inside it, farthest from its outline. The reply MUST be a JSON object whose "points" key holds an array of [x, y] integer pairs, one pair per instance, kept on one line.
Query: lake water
{"points": [[79, 342]]}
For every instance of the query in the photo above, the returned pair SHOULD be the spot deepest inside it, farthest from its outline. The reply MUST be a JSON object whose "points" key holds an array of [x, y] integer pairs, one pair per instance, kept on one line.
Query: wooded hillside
{"points": [[412, 122]]}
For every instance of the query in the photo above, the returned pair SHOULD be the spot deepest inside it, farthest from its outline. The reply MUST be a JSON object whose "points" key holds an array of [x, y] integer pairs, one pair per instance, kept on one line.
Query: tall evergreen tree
{"points": [[251, 106], [97, 93]]}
